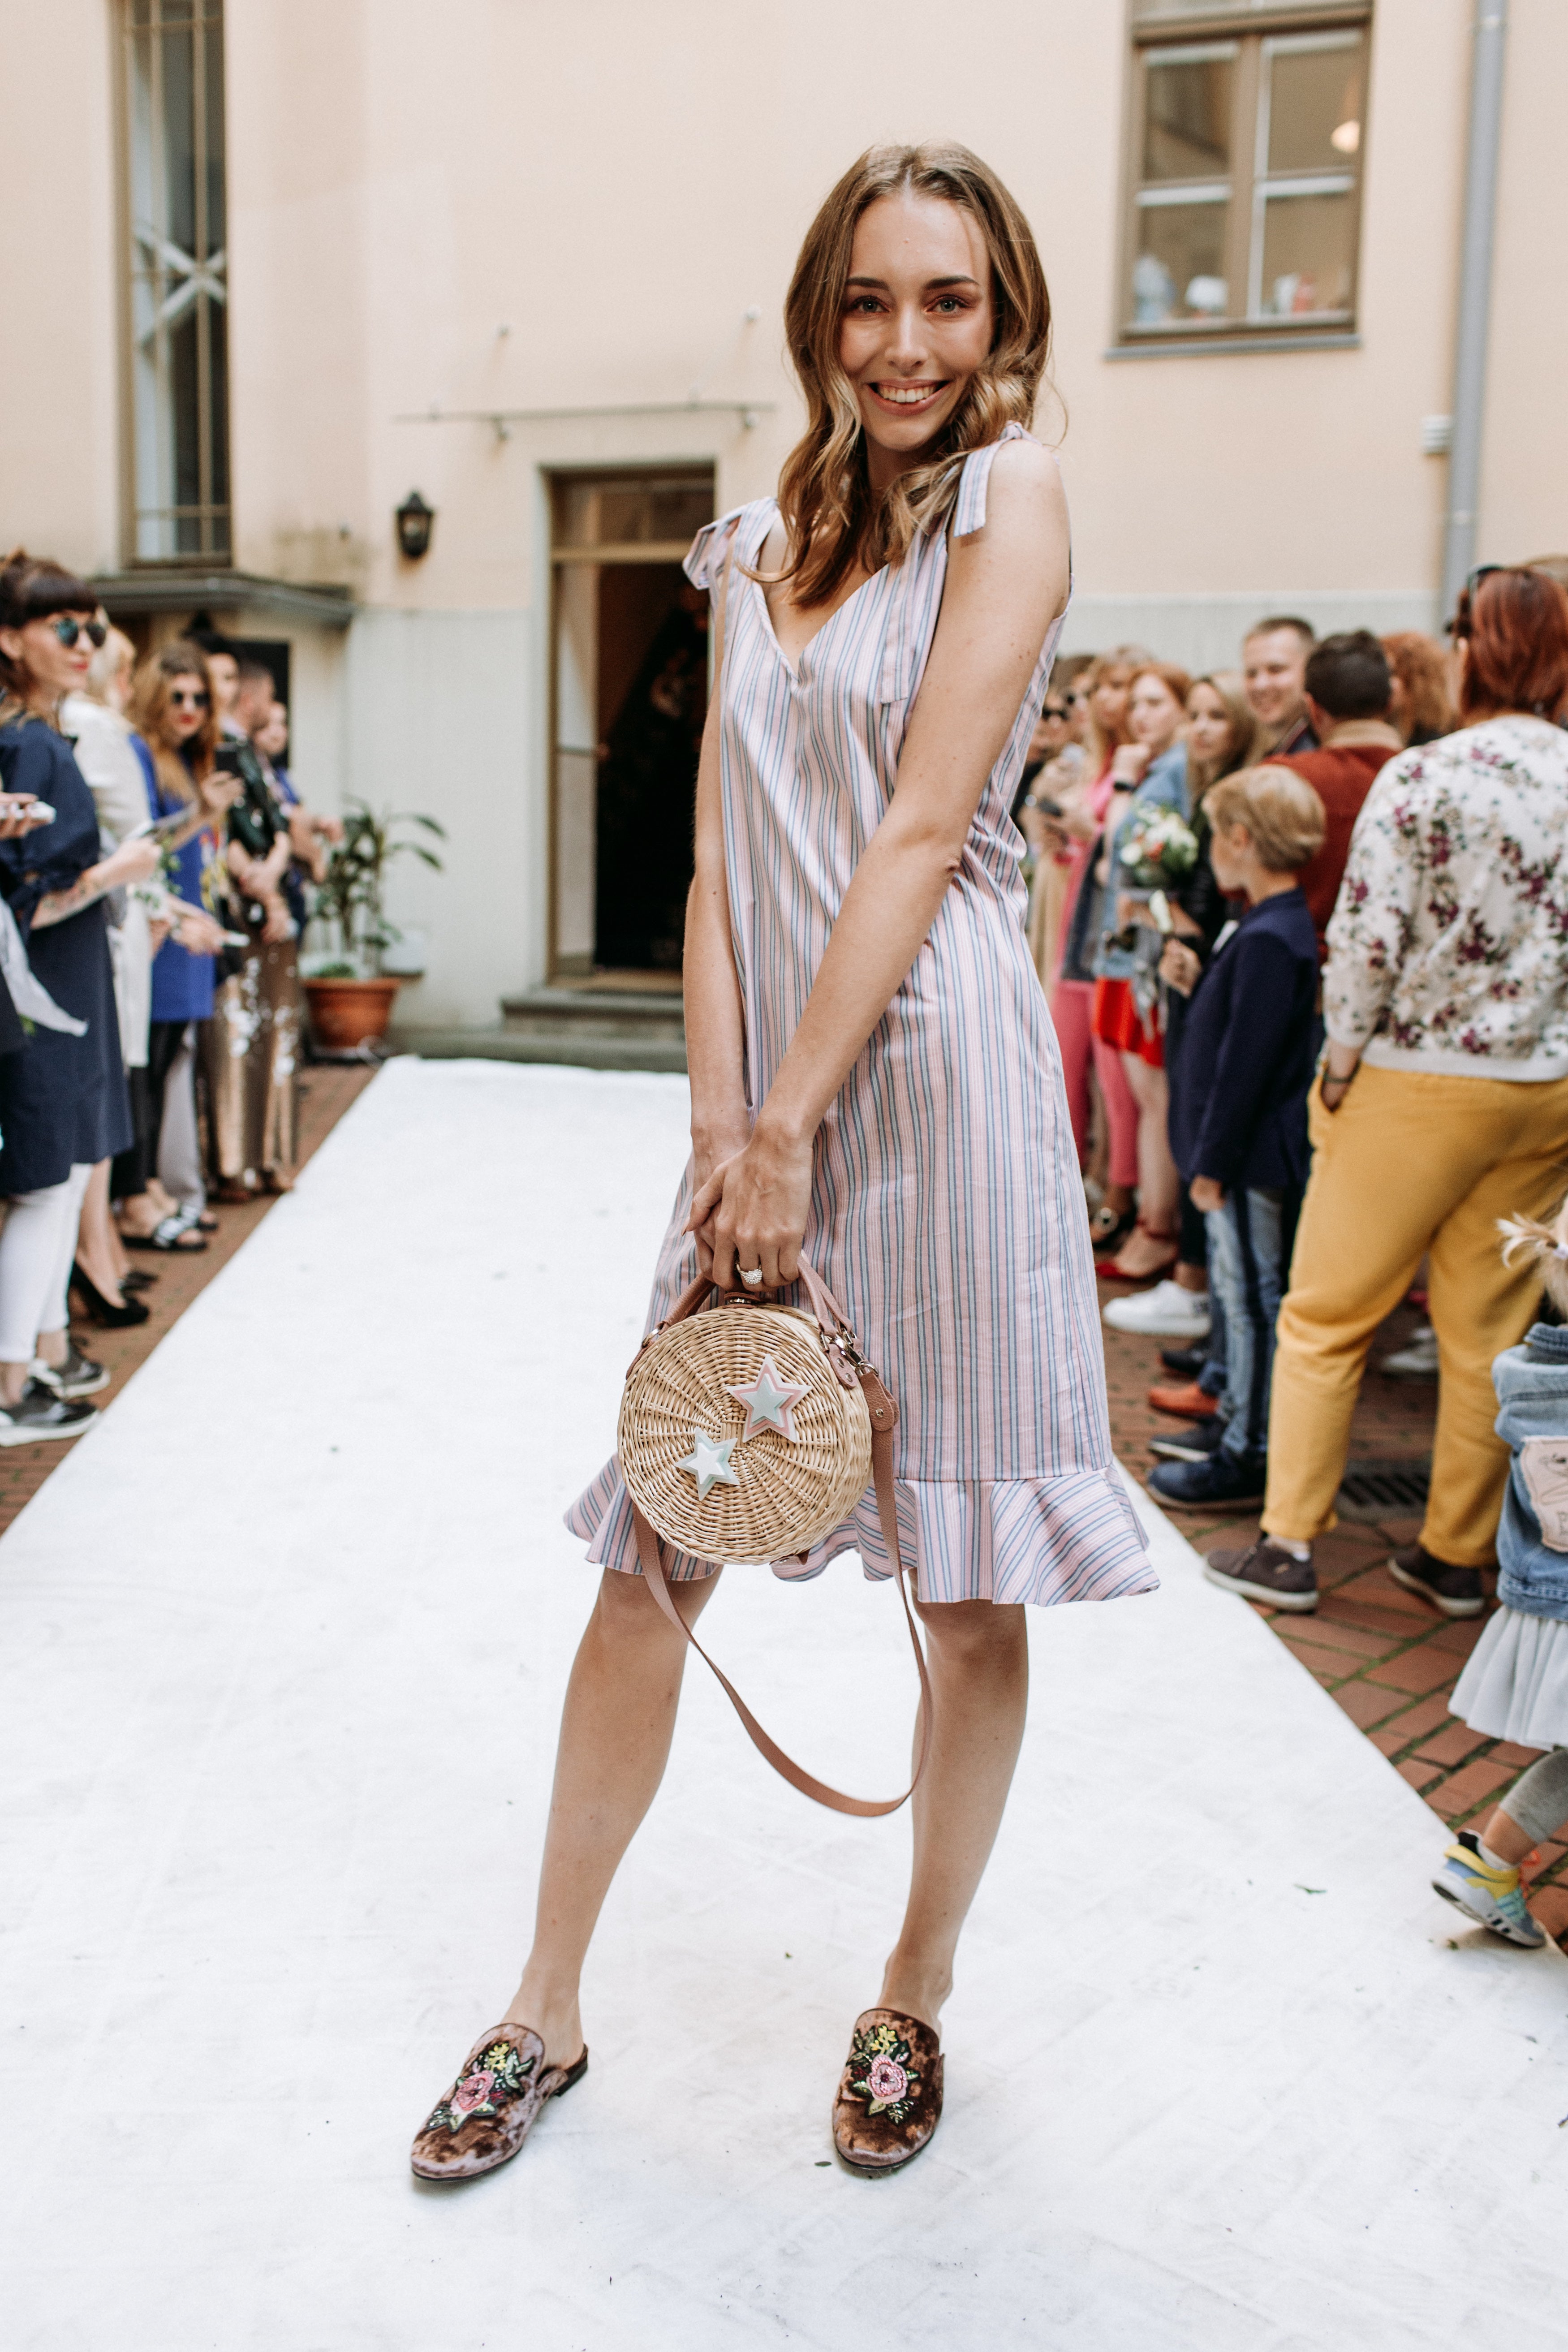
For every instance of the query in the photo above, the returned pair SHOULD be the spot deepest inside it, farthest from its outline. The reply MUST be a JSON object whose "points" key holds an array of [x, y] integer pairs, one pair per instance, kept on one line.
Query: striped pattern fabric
{"points": [[947, 1209]]}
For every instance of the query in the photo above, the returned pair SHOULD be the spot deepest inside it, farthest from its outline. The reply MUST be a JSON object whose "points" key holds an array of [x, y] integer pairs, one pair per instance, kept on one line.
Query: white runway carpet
{"points": [[281, 1651]]}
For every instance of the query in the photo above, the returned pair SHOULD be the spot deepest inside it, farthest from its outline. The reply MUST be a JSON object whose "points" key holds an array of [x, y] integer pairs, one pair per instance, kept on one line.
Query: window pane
{"points": [[217, 331], [1186, 132], [218, 224], [179, 140], [1180, 270], [1307, 254], [184, 398], [1315, 105], [667, 509]]}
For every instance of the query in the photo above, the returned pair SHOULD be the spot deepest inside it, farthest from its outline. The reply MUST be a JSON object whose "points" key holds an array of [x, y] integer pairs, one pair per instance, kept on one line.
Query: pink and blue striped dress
{"points": [[947, 1210]]}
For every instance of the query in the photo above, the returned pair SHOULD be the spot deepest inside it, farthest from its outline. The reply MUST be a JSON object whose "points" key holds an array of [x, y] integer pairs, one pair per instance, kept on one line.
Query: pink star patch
{"points": [[768, 1401]]}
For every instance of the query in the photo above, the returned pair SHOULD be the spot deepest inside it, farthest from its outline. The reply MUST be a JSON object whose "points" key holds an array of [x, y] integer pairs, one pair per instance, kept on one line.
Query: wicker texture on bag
{"points": [[790, 1491]]}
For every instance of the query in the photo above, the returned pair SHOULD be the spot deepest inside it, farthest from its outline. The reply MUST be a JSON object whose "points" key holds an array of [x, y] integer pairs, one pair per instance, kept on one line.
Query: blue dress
{"points": [[181, 980], [63, 1102]]}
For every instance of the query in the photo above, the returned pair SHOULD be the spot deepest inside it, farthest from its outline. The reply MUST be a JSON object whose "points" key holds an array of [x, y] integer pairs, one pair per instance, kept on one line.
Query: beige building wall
{"points": [[59, 379], [509, 205]]}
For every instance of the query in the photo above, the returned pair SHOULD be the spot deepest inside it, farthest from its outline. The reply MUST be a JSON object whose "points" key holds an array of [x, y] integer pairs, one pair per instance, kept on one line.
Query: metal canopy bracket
{"points": [[502, 420]]}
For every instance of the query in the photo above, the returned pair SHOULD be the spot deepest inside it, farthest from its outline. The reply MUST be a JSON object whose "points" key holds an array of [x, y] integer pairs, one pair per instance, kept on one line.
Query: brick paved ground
{"points": [[326, 1093], [1390, 1661]]}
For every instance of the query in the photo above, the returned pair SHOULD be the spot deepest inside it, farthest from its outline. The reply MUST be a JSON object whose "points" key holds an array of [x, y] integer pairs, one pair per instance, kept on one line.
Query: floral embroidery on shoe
{"points": [[498, 2074], [881, 2071]]}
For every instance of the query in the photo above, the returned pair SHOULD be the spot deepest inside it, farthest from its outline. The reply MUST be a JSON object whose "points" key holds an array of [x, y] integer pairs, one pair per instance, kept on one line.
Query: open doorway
{"points": [[631, 686]]}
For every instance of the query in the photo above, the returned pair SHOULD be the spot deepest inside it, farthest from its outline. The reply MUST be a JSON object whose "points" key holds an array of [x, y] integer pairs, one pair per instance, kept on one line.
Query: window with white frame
{"points": [[1247, 138], [176, 326]]}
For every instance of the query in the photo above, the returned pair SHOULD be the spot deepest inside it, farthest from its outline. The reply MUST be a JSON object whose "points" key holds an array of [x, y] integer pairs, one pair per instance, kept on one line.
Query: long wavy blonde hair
{"points": [[824, 491], [179, 774]]}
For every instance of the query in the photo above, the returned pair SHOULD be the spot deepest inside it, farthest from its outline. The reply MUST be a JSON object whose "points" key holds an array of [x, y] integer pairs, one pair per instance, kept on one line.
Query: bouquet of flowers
{"points": [[1159, 848]]}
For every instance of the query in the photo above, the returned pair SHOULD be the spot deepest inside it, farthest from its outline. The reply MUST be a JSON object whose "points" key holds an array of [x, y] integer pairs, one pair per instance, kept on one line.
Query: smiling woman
{"points": [[875, 1085], [950, 362]]}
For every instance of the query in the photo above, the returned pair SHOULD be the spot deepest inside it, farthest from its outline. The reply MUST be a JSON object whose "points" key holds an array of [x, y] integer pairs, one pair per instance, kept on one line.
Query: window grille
{"points": [[177, 280]]}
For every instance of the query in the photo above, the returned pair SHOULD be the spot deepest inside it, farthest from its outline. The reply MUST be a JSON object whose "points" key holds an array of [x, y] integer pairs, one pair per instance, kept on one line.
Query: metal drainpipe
{"points": [[1490, 35]]}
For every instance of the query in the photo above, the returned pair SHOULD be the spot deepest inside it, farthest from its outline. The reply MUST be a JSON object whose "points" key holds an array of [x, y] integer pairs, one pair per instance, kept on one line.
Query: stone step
{"points": [[622, 1050], [620, 1014]]}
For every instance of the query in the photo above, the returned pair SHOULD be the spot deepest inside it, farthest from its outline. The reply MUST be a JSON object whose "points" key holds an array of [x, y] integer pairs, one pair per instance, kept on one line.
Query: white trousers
{"points": [[179, 1144], [37, 1249]]}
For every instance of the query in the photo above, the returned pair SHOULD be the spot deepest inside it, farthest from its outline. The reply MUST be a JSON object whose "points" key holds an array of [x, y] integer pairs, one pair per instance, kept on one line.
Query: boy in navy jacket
{"points": [[1238, 1118]]}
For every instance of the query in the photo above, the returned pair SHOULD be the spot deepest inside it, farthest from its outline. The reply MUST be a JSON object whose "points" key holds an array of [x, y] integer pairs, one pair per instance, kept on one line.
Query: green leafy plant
{"points": [[352, 895]]}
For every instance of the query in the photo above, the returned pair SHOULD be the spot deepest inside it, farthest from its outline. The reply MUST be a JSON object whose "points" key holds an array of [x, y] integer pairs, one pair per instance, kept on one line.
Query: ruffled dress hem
{"points": [[1039, 1540], [1515, 1683]]}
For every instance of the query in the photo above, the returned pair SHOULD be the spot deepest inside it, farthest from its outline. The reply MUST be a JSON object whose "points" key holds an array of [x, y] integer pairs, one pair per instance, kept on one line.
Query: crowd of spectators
{"points": [[152, 859], [1304, 931]]}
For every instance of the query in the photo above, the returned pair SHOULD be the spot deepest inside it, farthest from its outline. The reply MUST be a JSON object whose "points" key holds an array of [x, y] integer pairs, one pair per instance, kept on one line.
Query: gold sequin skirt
{"points": [[250, 1053]]}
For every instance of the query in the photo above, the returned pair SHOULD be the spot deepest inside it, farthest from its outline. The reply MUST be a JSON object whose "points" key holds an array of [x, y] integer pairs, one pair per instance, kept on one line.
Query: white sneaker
{"points": [[1166, 1312], [1418, 1361]]}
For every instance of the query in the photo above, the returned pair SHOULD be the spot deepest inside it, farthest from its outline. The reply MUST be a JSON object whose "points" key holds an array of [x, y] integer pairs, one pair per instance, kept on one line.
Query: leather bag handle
{"points": [[884, 1414]]}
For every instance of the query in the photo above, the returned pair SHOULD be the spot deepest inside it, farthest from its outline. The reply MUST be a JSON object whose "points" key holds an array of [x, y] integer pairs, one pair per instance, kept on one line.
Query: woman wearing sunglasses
{"points": [[176, 717], [63, 1100]]}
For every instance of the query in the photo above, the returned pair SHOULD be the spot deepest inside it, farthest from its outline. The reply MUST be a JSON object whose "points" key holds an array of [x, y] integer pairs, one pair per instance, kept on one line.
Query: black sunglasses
{"points": [[190, 701], [69, 630], [1472, 582], [1054, 710]]}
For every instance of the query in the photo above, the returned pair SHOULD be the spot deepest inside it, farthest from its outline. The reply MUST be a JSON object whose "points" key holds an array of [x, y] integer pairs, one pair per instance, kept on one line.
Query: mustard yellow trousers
{"points": [[1410, 1165]]}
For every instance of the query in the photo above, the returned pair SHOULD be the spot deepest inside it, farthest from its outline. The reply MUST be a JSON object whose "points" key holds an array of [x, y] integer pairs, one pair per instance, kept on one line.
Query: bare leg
{"points": [[978, 1653], [616, 1730], [1506, 1838], [1159, 1183], [97, 1244]]}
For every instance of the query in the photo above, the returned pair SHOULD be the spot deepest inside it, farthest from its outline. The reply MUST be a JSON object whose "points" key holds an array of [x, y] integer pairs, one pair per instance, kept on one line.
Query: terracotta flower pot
{"points": [[347, 1012]]}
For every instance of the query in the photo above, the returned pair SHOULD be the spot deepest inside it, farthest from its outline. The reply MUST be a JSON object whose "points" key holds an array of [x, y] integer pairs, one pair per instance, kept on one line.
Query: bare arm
{"points": [[1005, 586], [133, 861], [715, 1028]]}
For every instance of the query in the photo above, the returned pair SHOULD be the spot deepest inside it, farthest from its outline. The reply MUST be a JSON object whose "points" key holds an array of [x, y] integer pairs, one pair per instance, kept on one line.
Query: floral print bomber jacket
{"points": [[1448, 944]]}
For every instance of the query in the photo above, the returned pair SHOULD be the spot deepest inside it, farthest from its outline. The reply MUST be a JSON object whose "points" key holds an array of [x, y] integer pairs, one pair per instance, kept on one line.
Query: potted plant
{"points": [[349, 998]]}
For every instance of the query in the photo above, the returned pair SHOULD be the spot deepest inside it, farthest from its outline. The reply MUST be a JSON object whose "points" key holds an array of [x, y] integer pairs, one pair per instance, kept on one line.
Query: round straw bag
{"points": [[765, 1490], [747, 1434]]}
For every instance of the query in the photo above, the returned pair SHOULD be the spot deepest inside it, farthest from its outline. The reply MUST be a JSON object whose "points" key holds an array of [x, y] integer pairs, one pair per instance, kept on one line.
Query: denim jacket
{"points": [[1531, 1382]]}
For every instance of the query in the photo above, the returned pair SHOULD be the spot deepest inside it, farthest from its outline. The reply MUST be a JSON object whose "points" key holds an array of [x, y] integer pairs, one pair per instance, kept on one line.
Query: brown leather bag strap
{"points": [[830, 1316], [884, 1414]]}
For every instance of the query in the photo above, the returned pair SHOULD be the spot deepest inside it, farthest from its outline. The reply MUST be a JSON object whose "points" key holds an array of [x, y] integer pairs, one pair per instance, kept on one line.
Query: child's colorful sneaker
{"points": [[1468, 1880]]}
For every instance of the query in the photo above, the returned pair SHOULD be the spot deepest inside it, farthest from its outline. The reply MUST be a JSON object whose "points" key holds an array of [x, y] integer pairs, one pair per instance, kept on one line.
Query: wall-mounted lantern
{"points": [[414, 521]]}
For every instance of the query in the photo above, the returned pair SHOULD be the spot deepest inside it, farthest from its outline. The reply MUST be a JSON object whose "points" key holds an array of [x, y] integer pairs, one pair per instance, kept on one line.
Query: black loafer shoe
{"points": [[1266, 1572], [1457, 1592]]}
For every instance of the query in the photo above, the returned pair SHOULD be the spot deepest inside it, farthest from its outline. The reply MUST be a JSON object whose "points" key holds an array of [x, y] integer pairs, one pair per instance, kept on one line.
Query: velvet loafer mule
{"points": [[889, 2093], [492, 2107]]}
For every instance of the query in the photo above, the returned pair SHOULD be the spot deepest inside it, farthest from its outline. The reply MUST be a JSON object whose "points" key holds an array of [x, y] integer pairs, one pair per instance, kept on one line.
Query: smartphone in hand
{"points": [[26, 805]]}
